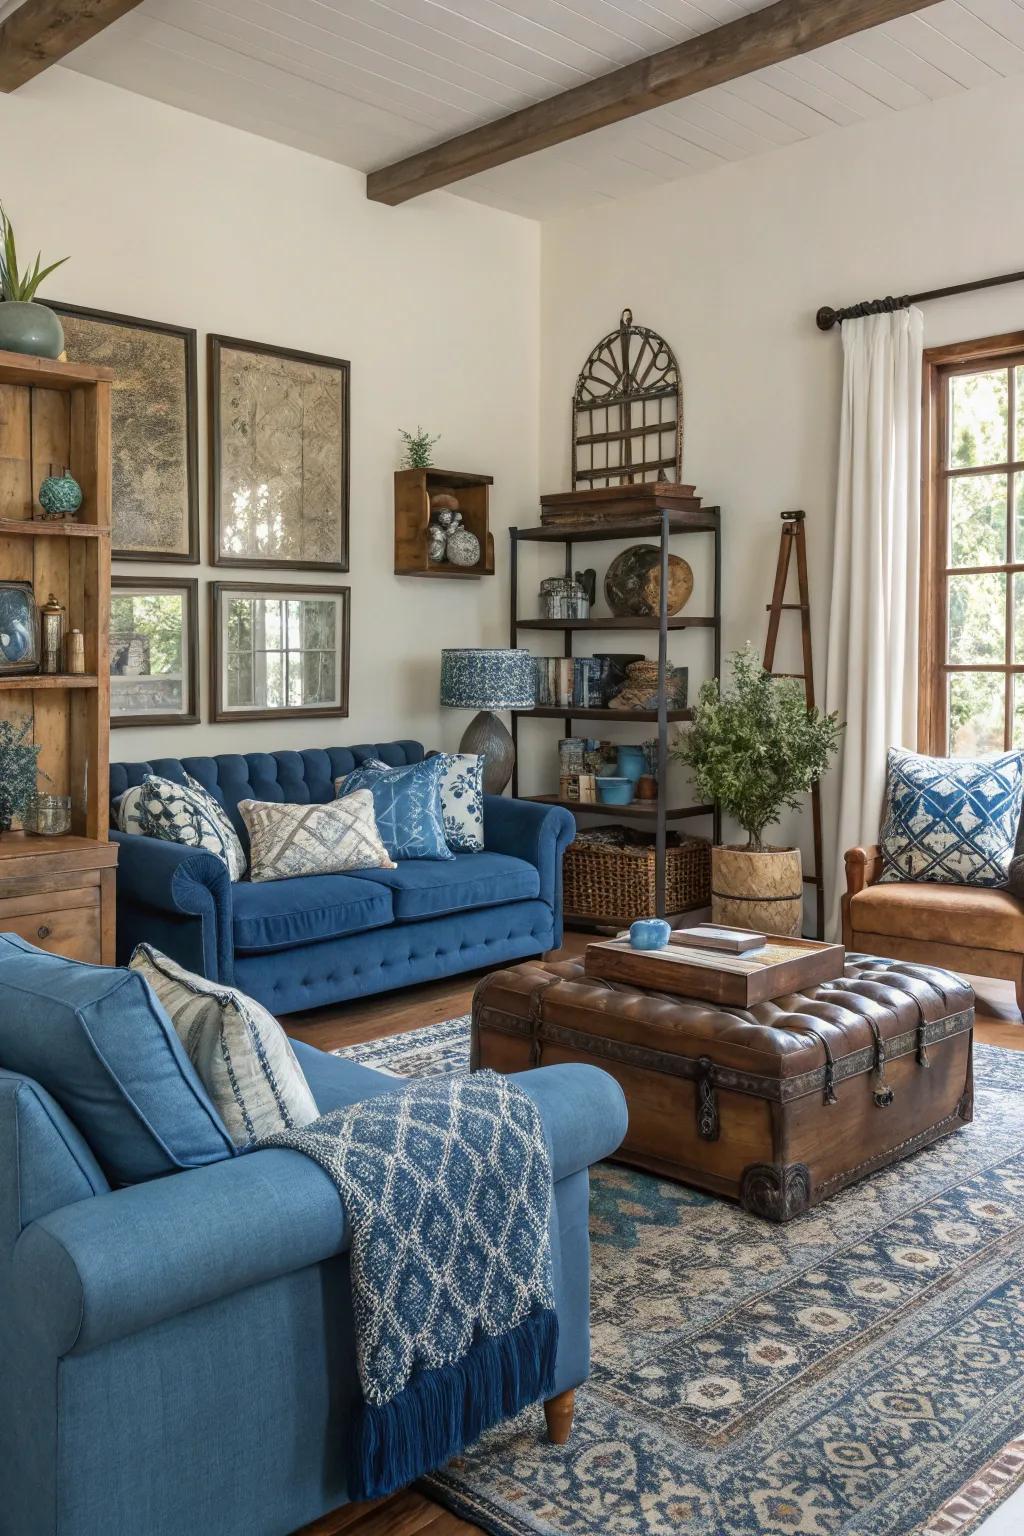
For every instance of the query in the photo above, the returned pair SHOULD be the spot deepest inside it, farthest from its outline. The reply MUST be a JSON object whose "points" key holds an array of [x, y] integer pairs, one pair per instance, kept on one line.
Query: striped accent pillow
{"points": [[242, 1055], [290, 840]]}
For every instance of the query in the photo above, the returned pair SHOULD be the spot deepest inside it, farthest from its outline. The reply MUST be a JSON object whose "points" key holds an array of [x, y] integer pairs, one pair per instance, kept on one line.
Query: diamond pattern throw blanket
{"points": [[446, 1185]]}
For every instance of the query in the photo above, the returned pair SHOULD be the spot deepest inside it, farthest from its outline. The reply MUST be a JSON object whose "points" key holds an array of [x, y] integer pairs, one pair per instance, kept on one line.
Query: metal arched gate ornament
{"points": [[627, 411]]}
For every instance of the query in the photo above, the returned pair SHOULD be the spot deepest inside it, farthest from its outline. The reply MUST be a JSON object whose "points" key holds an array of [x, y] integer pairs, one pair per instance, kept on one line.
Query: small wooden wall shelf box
{"points": [[59, 413], [738, 981], [413, 490]]}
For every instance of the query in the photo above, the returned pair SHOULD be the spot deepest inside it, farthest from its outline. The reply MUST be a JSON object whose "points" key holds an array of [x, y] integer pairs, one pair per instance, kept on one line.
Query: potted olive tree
{"points": [[756, 749], [25, 324]]}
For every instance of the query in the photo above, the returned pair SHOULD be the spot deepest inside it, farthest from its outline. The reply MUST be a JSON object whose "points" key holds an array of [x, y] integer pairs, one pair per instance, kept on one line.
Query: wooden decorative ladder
{"points": [[794, 536]]}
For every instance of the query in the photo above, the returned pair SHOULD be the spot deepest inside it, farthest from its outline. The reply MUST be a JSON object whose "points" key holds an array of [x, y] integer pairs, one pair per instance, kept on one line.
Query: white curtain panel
{"points": [[871, 675]]}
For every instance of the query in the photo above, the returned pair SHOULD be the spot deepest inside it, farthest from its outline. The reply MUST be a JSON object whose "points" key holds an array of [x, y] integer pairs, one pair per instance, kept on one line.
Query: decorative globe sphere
{"points": [[60, 495], [463, 547]]}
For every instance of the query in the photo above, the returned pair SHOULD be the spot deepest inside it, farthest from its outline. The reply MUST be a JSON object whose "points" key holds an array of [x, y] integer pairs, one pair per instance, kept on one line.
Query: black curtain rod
{"points": [[827, 318]]}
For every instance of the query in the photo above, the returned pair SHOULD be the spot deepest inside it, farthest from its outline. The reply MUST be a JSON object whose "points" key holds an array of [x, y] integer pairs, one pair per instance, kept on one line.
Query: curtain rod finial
{"points": [[826, 318]]}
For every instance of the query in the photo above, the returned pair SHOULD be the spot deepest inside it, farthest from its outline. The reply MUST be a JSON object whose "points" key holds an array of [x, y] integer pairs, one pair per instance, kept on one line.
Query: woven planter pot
{"points": [[763, 891]]}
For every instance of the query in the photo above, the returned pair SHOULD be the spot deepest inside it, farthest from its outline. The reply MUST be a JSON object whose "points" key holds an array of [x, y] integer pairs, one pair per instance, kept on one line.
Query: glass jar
{"points": [[48, 815]]}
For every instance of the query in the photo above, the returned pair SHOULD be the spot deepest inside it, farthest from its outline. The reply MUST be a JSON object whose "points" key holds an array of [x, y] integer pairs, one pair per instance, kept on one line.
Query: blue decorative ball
{"points": [[649, 933], [60, 495]]}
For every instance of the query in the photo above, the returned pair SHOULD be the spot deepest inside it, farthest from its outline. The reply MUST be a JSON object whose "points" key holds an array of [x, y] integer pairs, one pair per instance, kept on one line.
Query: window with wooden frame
{"points": [[972, 589]]}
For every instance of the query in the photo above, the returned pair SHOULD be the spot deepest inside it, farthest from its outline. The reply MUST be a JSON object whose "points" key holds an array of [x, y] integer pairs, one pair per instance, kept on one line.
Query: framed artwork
{"points": [[153, 429], [154, 651], [19, 628], [279, 457], [278, 650]]}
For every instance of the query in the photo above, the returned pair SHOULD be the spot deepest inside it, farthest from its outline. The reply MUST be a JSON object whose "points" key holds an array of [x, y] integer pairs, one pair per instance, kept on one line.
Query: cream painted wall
{"points": [[732, 265], [169, 216]]}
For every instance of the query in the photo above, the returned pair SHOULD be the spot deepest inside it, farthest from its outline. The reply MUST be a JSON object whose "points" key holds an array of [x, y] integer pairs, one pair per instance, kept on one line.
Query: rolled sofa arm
{"points": [[110, 1266], [540, 834], [181, 883], [863, 867], [104, 1268]]}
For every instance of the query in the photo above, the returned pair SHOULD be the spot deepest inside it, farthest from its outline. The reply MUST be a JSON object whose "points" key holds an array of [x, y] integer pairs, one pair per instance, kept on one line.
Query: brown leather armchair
{"points": [[964, 928]]}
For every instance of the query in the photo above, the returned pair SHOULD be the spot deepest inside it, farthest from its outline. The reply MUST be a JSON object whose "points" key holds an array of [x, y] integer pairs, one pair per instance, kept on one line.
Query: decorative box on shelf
{"points": [[424, 514]]}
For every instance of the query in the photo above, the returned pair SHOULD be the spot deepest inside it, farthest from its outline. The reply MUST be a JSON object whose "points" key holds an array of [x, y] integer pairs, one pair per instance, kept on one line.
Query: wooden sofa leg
{"points": [[1018, 987], [558, 1411]]}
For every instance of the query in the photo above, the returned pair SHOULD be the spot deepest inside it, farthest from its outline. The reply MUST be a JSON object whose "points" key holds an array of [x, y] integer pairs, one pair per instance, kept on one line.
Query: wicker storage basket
{"points": [[608, 875]]}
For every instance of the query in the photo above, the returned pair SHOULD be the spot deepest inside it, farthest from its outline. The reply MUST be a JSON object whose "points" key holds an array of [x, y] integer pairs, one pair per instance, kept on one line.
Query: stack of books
{"points": [[611, 504]]}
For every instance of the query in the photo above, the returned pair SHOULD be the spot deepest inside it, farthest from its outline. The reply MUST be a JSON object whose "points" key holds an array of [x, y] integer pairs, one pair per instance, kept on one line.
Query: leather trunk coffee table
{"points": [[777, 1106]]}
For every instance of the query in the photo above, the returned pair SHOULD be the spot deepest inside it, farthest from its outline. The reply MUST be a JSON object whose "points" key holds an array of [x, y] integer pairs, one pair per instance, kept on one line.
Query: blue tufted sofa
{"points": [[318, 939]]}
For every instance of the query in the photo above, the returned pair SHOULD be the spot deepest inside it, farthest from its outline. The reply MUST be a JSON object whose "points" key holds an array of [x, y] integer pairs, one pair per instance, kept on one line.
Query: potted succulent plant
{"points": [[25, 325], [755, 750]]}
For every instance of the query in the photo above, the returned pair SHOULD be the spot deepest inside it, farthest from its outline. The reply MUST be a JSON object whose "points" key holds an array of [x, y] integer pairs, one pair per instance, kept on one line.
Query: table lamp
{"points": [[487, 680]]}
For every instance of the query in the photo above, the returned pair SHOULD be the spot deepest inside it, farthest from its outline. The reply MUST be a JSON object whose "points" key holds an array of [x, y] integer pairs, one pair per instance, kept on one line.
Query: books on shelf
{"points": [[566, 681]]}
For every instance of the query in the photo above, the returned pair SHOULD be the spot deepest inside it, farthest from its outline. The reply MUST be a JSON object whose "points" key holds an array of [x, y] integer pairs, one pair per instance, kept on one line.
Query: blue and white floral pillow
{"points": [[462, 800], [950, 819], [406, 805], [182, 813]]}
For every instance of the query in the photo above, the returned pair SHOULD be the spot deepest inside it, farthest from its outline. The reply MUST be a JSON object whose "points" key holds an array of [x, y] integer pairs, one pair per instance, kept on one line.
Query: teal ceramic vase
{"points": [[30, 328], [60, 495]]}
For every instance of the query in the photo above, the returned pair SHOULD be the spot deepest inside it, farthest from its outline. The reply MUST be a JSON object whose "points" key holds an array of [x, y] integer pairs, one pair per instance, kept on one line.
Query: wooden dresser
{"points": [[58, 893]]}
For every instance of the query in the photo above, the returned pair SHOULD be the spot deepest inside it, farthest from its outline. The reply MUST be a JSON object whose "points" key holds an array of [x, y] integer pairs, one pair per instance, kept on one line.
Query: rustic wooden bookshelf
{"points": [[58, 892], [660, 523]]}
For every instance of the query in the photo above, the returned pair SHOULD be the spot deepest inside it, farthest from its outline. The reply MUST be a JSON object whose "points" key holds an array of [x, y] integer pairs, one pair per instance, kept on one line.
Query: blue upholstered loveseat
{"points": [[320, 939], [178, 1355]]}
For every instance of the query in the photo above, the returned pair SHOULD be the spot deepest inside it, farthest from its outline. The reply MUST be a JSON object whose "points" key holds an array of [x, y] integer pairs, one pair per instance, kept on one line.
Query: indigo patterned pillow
{"points": [[407, 805], [242, 1055], [290, 840], [182, 813], [950, 819]]}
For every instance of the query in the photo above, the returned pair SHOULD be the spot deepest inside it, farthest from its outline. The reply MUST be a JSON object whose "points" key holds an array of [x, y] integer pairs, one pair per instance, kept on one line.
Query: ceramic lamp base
{"points": [[486, 735]]}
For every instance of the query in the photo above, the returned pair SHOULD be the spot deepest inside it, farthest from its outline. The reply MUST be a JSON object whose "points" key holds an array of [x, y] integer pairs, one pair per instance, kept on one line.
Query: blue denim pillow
{"points": [[99, 1042], [950, 819], [407, 805]]}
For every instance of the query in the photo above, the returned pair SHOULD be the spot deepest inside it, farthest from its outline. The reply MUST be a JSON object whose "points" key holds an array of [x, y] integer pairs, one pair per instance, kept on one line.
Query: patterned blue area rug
{"points": [[859, 1372]]}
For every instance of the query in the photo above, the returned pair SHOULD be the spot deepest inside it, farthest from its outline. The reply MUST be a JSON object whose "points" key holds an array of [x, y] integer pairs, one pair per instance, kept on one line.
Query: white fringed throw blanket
{"points": [[446, 1185]]}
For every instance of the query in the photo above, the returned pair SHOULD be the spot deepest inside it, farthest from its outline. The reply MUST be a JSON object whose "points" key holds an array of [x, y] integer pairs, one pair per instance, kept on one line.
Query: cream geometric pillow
{"points": [[290, 840], [242, 1055]]}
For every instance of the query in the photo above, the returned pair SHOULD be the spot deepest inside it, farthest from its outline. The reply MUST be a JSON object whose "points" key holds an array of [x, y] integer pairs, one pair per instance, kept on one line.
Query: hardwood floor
{"points": [[408, 1514]]}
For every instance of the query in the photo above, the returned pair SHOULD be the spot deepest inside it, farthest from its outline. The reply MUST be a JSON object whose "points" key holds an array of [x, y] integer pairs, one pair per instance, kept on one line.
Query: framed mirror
{"points": [[154, 651], [278, 650]]}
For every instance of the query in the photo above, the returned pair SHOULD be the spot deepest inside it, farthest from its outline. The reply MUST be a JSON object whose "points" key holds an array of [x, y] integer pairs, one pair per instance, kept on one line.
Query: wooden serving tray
{"points": [[738, 981]]}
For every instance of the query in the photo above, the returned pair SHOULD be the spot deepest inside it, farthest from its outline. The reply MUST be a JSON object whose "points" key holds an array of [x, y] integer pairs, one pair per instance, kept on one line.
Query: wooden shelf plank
{"points": [[36, 528], [37, 680], [614, 623], [48, 373], [640, 810], [572, 712], [703, 521]]}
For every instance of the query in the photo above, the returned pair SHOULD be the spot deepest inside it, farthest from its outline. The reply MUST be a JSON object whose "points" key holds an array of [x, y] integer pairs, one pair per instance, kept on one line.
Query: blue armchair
{"points": [[178, 1355], [301, 943]]}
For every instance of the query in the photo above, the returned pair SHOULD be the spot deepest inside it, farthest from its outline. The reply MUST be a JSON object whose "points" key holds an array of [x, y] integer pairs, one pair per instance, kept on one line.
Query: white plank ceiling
{"points": [[365, 82]]}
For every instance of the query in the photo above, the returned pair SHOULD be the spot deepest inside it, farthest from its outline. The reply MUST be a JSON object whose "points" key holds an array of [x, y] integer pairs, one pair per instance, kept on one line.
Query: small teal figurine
{"points": [[649, 933], [60, 495]]}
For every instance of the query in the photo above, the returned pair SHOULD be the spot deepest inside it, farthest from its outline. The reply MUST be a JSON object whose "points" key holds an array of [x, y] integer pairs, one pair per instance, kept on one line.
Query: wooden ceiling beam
{"points": [[769, 36], [42, 32]]}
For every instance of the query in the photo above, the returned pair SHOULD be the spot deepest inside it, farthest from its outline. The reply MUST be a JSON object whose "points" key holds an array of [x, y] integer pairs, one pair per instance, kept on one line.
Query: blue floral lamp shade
{"points": [[487, 680]]}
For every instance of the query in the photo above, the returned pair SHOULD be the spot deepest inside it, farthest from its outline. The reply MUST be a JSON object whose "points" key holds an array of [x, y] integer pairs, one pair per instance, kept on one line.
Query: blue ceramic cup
{"points": [[649, 933], [632, 762]]}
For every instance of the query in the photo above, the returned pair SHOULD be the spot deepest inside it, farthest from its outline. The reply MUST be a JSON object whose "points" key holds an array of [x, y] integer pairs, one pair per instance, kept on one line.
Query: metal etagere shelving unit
{"points": [[664, 525]]}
